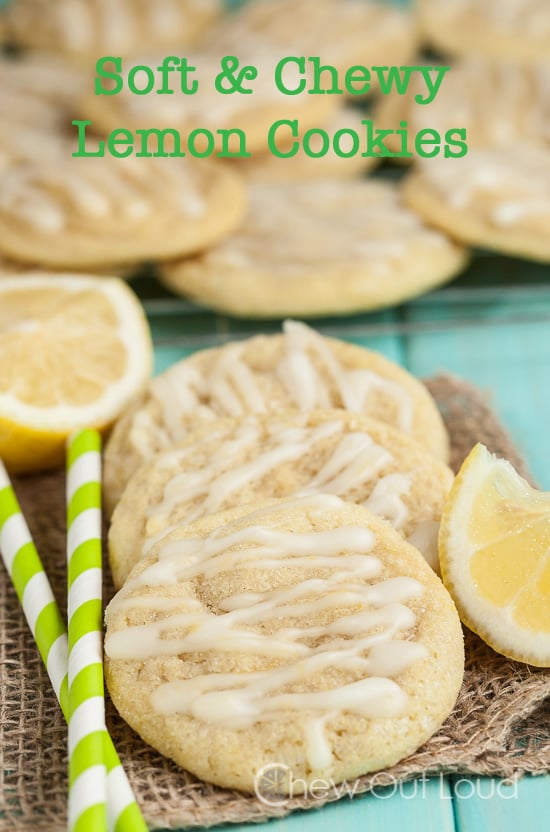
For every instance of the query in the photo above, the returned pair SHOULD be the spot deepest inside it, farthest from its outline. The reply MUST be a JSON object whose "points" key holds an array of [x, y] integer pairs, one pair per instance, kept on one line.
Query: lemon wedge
{"points": [[74, 350], [494, 550]]}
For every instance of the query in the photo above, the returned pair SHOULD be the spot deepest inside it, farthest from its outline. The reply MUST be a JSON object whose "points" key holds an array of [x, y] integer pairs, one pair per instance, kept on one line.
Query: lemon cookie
{"points": [[270, 168], [497, 103], [209, 110], [89, 212], [307, 635], [235, 462], [86, 29], [319, 248], [514, 30], [496, 198], [38, 98], [298, 370], [340, 32]]}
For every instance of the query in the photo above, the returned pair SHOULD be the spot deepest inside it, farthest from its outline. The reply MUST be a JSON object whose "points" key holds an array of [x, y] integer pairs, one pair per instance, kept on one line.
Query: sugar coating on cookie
{"points": [[232, 463], [90, 28], [307, 634], [320, 247], [88, 212], [298, 370], [493, 197], [497, 103], [517, 30]]}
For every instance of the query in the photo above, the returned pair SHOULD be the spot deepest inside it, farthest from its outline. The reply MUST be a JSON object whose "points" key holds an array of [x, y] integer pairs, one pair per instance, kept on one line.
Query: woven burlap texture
{"points": [[500, 726]]}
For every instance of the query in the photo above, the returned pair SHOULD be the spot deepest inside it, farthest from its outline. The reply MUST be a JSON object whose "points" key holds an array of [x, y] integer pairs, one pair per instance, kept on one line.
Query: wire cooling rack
{"points": [[494, 291]]}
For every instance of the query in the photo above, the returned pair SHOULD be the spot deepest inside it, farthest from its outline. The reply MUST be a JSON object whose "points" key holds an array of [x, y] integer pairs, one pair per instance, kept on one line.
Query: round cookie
{"points": [[319, 248], [37, 103], [267, 168], [341, 32], [298, 370], [498, 104], [513, 30], [234, 462], [307, 634], [209, 110], [495, 198], [87, 29], [79, 213]]}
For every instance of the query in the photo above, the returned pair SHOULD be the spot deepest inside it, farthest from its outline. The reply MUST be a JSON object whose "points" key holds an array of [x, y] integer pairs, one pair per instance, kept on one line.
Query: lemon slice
{"points": [[494, 549], [73, 351]]}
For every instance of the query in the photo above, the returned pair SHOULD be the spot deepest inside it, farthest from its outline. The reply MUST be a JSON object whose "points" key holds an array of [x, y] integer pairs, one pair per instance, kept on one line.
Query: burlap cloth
{"points": [[500, 726]]}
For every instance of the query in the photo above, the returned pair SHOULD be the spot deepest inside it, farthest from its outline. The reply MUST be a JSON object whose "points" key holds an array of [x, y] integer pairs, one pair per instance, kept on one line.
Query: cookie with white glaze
{"points": [[38, 96], [86, 29], [319, 248], [497, 103], [269, 168], [208, 109], [298, 370], [77, 213], [307, 634], [494, 198], [340, 32], [513, 30], [235, 462]]}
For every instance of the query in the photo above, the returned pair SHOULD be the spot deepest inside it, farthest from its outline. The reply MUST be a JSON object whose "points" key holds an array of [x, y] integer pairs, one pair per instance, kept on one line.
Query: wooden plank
{"points": [[509, 362], [417, 806], [485, 804]]}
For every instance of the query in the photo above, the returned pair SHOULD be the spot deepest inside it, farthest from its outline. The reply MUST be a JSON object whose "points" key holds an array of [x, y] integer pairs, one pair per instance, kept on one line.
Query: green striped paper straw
{"points": [[87, 770], [33, 589], [89, 757]]}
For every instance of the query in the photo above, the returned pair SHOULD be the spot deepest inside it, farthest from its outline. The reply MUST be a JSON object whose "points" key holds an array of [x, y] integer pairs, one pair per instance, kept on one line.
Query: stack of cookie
{"points": [[271, 502], [497, 196]]}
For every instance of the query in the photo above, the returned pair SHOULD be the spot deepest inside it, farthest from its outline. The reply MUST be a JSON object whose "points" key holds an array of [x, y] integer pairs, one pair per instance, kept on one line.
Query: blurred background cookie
{"points": [[342, 33], [299, 167], [497, 103], [319, 247], [84, 30], [38, 96], [515, 30], [106, 212], [495, 198]]}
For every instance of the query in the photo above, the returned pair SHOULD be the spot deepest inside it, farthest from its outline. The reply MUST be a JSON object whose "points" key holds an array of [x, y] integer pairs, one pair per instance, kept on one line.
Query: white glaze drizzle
{"points": [[511, 16], [371, 634], [121, 24], [353, 461], [45, 196], [515, 186], [297, 229], [229, 387]]}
